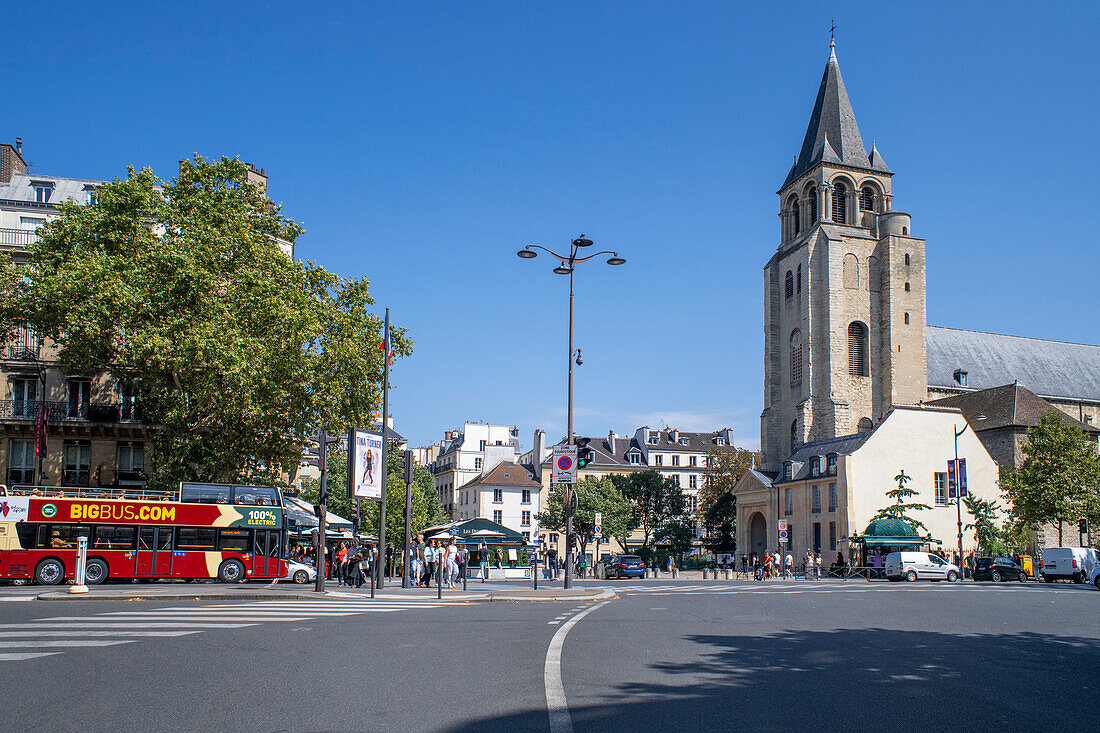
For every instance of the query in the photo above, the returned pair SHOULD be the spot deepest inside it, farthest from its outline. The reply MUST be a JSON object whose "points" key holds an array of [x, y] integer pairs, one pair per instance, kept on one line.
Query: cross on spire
{"points": [[832, 30]]}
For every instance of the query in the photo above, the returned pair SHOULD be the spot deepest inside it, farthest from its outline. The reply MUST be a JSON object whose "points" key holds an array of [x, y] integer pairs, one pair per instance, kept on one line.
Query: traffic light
{"points": [[1082, 525], [317, 510], [585, 455], [407, 468]]}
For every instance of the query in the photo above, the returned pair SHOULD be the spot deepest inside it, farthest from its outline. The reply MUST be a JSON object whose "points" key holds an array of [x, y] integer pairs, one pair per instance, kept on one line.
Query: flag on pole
{"points": [[41, 430], [960, 469], [386, 346], [951, 480]]}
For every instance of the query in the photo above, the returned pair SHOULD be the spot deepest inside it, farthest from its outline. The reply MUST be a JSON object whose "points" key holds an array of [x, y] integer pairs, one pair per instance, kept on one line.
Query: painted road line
{"points": [[556, 705], [88, 632], [121, 625], [20, 656], [254, 619], [63, 642]]}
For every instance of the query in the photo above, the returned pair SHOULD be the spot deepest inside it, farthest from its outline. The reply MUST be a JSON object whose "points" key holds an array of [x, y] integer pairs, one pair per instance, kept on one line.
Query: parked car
{"points": [[998, 569], [1069, 563], [624, 566], [300, 572], [1095, 580], [919, 566]]}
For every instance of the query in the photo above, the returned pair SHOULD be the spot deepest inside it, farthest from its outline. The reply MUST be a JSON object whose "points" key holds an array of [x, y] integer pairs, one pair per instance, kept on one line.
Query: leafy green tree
{"points": [[719, 524], [677, 535], [724, 468], [594, 494], [655, 499], [984, 525], [180, 290], [427, 511], [900, 509], [1059, 480]]}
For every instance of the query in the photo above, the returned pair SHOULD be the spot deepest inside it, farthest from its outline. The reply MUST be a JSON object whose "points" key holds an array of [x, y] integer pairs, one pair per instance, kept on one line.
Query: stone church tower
{"points": [[844, 294]]}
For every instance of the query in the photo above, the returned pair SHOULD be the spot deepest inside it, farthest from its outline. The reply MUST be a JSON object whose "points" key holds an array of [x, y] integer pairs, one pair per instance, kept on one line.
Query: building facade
{"points": [[508, 494], [465, 454]]}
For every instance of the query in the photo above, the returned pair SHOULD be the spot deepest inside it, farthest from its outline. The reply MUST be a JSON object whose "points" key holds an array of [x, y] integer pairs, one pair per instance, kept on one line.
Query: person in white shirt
{"points": [[429, 562], [788, 563], [451, 564]]}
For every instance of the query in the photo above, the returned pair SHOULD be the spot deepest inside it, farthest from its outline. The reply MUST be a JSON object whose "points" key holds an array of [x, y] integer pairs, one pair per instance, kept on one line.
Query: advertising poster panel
{"points": [[365, 467]]}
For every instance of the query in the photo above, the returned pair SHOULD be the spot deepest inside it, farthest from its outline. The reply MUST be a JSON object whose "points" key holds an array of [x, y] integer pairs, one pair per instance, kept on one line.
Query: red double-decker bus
{"points": [[233, 533]]}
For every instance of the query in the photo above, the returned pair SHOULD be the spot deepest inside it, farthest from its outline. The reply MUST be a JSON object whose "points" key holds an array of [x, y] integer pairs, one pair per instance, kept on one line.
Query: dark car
{"points": [[624, 566], [998, 569]]}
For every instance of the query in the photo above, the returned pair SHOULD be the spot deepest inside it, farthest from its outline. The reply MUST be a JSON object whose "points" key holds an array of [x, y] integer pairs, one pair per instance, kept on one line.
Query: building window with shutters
{"points": [[939, 480], [832, 497], [675, 459], [693, 460], [77, 456], [20, 461], [693, 482], [525, 497], [788, 502], [498, 496], [857, 349], [498, 516], [658, 460], [840, 204], [815, 499], [525, 519], [131, 461]]}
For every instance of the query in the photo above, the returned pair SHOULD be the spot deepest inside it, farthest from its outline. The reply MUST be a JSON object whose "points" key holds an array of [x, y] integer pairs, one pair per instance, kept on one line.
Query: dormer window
{"points": [[719, 441], [815, 465], [788, 470], [634, 458], [683, 441], [93, 194], [830, 463], [960, 377], [654, 438], [43, 190]]}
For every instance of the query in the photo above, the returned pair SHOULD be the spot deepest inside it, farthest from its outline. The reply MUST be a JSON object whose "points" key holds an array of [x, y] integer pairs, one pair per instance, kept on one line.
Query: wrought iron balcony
{"points": [[95, 412], [18, 237]]}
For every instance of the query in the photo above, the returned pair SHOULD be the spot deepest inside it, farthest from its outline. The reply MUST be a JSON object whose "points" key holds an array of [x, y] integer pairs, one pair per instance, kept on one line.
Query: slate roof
{"points": [[505, 474], [696, 442], [833, 135], [1007, 406], [21, 190], [800, 459], [1050, 369]]}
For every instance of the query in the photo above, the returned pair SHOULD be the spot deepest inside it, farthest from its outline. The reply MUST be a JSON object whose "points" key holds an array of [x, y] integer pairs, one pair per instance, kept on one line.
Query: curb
{"points": [[174, 597]]}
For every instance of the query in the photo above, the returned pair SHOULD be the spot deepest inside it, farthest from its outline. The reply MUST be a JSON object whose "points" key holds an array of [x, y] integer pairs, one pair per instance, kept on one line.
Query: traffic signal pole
{"points": [[569, 489], [322, 515]]}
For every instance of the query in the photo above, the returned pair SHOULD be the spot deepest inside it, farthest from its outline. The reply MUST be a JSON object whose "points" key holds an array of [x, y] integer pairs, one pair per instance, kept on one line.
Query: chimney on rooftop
{"points": [[11, 160]]}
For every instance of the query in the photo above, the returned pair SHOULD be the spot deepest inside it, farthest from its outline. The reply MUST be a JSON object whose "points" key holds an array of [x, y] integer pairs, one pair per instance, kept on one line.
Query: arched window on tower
{"points": [[796, 356], [840, 204], [867, 199], [857, 349], [797, 212], [788, 286], [813, 205], [865, 425]]}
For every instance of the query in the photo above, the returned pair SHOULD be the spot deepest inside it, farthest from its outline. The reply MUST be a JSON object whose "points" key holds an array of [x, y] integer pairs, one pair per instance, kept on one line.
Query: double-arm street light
{"points": [[567, 265]]}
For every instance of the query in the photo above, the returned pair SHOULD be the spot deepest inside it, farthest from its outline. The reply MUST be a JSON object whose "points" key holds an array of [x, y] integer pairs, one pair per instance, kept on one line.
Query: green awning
{"points": [[893, 541]]}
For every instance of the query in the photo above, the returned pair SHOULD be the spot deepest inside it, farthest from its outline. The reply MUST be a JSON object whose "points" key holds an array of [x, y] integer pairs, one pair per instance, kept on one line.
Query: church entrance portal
{"points": [[758, 533]]}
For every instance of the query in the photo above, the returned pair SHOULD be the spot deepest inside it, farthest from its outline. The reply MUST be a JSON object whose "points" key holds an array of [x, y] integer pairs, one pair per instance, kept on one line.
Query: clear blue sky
{"points": [[422, 144]]}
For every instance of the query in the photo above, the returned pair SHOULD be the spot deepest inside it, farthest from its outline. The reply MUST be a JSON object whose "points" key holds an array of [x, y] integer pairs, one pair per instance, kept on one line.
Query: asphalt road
{"points": [[664, 655]]}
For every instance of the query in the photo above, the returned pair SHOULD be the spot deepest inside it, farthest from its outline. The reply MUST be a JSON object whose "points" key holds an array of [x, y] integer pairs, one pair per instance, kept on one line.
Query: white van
{"points": [[1069, 563], [919, 565]]}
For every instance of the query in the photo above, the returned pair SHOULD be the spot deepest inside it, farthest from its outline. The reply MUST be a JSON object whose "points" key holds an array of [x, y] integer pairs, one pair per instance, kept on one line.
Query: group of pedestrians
{"points": [[354, 564], [437, 561], [775, 565]]}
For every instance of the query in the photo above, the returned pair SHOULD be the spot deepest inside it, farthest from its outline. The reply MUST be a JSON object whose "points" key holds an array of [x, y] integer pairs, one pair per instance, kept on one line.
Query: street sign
{"points": [[599, 525], [782, 530], [564, 470]]}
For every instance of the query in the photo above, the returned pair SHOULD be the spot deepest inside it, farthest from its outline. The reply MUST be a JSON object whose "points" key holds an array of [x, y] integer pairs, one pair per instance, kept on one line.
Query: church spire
{"points": [[832, 135]]}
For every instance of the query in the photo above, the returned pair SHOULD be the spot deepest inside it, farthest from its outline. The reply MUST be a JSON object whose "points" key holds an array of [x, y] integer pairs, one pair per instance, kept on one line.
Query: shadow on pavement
{"points": [[867, 679]]}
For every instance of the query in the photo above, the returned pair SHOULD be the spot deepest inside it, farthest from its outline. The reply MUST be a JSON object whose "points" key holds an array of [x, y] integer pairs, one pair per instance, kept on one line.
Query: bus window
{"points": [[244, 495], [204, 493], [267, 496], [145, 538], [196, 538], [274, 544], [26, 533], [59, 536], [113, 538], [164, 540], [234, 540]]}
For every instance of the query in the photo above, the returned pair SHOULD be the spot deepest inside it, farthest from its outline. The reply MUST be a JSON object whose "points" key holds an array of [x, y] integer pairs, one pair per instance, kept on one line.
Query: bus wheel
{"points": [[49, 572], [95, 572], [231, 571]]}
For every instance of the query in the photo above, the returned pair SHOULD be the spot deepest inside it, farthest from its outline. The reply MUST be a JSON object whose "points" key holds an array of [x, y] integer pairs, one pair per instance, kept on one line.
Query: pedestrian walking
{"points": [[552, 561], [463, 558], [429, 562], [452, 563], [483, 559], [788, 565], [817, 565]]}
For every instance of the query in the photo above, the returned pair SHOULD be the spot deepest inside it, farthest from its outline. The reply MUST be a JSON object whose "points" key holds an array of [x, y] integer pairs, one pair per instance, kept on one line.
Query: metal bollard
{"points": [[725, 573], [465, 572], [371, 574], [439, 575], [704, 572], [81, 565]]}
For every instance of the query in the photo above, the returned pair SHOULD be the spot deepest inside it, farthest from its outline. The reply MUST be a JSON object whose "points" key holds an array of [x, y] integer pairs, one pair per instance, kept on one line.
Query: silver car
{"points": [[300, 572]]}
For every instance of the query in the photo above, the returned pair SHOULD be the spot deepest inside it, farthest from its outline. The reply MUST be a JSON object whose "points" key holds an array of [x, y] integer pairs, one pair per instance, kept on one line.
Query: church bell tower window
{"points": [[857, 349], [866, 199], [813, 205], [840, 204], [797, 213], [788, 286]]}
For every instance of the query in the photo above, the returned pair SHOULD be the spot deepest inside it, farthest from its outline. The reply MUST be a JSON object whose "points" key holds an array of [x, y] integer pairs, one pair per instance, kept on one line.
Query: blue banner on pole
{"points": [[961, 468], [951, 480]]}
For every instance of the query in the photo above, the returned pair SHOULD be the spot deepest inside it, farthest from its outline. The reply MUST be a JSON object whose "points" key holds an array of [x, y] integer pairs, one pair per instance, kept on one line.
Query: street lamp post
{"points": [[568, 264]]}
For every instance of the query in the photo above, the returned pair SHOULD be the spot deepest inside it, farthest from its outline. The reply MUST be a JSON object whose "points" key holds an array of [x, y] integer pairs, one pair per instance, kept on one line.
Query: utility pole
{"points": [[322, 514], [380, 550], [406, 578]]}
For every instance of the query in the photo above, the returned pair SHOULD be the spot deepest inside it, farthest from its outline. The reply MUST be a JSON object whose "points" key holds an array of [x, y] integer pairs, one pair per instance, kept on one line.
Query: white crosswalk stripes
{"points": [[114, 628]]}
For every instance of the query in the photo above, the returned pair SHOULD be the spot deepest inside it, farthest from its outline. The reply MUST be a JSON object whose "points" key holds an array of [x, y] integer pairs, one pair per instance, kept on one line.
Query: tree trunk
{"points": [[1059, 531]]}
